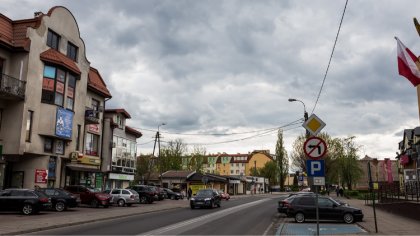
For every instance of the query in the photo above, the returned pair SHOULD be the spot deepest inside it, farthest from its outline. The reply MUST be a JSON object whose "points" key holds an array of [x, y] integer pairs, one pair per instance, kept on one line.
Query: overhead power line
{"points": [[332, 53]]}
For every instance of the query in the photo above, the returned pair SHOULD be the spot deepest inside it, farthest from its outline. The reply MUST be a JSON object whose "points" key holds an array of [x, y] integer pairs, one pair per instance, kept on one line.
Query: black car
{"points": [[60, 198], [303, 207], [27, 201], [173, 195], [206, 198], [285, 200], [147, 194]]}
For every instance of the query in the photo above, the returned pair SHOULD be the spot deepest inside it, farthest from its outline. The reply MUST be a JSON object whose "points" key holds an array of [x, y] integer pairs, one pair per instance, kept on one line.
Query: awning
{"points": [[80, 167]]}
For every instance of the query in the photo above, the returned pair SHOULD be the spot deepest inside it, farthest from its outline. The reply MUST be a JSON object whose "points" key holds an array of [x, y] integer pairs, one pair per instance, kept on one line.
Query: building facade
{"points": [[44, 89], [120, 149]]}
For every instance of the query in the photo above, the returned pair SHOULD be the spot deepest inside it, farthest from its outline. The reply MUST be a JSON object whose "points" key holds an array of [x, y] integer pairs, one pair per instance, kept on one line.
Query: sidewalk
{"points": [[387, 223]]}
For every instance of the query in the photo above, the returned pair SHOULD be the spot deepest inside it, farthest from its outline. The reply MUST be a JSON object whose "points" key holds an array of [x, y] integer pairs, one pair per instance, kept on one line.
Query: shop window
{"points": [[91, 144], [29, 120], [53, 39], [72, 51]]}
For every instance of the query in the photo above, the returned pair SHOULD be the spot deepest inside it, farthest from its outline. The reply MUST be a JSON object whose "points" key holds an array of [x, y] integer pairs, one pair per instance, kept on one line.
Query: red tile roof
{"points": [[119, 110], [130, 130], [56, 57], [13, 33], [96, 83]]}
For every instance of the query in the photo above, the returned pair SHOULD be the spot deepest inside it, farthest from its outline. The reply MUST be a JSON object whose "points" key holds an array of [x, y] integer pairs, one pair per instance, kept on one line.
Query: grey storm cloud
{"points": [[214, 66]]}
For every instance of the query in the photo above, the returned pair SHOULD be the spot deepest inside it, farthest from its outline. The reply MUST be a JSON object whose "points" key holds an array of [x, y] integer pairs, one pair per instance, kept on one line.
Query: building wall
{"points": [[258, 160]]}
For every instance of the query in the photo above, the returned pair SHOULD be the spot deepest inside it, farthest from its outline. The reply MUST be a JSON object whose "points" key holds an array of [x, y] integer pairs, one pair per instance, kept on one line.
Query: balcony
{"points": [[12, 88], [91, 117]]}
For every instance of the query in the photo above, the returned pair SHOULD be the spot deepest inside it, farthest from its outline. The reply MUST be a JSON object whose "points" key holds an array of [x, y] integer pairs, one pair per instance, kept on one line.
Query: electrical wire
{"points": [[332, 53]]}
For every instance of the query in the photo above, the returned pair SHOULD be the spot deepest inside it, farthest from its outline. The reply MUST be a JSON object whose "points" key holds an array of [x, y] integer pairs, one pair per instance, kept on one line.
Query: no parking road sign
{"points": [[315, 148]]}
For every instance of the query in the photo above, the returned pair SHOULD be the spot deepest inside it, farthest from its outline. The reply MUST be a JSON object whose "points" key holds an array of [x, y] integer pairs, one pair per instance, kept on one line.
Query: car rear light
{"points": [[44, 199], [132, 196]]}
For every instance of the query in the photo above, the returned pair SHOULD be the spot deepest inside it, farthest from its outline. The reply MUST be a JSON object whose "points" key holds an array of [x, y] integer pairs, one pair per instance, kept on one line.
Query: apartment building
{"points": [[50, 104], [120, 149]]}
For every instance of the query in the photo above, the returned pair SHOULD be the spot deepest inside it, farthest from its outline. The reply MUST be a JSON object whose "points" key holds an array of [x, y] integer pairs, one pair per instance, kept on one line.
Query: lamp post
{"points": [[157, 139], [305, 114]]}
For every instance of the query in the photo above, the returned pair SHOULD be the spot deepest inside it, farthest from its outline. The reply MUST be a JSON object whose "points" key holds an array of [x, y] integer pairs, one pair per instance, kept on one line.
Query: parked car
{"points": [[123, 197], [173, 195], [160, 193], [224, 195], [90, 196], [146, 193], [302, 207], [27, 201], [205, 198], [61, 199]]}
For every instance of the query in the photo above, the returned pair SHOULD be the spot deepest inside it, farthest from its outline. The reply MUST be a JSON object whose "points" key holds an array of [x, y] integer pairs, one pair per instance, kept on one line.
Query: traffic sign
{"points": [[315, 148], [316, 168], [314, 125], [319, 181]]}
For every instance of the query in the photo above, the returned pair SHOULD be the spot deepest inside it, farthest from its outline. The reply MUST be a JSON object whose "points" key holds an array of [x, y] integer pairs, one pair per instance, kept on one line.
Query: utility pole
{"points": [[157, 139]]}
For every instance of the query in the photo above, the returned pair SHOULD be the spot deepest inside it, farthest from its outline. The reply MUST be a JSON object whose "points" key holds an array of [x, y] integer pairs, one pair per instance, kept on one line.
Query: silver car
{"points": [[123, 197]]}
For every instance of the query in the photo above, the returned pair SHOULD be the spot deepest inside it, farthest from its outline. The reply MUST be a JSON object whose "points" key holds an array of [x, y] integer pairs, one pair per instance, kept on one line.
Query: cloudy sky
{"points": [[229, 67]]}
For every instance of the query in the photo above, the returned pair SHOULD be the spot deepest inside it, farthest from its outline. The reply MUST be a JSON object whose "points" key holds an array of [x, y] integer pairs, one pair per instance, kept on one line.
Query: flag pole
{"points": [[417, 26]]}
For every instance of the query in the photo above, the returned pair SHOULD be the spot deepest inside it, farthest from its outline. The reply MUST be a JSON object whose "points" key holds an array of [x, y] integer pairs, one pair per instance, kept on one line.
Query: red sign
{"points": [[93, 128], [41, 176], [315, 148]]}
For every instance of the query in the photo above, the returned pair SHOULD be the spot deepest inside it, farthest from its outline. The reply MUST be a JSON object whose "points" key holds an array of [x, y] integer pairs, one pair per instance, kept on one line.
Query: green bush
{"points": [[351, 193]]}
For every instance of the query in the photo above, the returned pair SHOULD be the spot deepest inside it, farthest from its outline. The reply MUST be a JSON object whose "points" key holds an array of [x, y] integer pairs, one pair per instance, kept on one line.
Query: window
{"points": [[48, 145], [307, 201], [231, 171], [95, 107], [91, 147], [53, 85], [53, 39], [78, 137], [72, 51], [29, 120], [1, 65], [59, 147], [71, 88], [323, 202]]}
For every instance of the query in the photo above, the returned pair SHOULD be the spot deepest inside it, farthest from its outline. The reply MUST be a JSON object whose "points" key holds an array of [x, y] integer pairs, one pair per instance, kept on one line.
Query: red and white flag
{"points": [[407, 64]]}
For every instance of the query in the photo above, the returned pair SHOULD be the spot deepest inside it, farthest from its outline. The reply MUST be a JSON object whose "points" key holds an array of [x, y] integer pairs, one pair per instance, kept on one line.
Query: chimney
{"points": [[38, 13]]}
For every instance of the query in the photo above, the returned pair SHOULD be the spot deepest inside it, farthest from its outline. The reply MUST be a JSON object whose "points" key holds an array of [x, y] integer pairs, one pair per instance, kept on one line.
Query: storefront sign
{"points": [[64, 123], [41, 176], [89, 160], [93, 128], [120, 176], [234, 181]]}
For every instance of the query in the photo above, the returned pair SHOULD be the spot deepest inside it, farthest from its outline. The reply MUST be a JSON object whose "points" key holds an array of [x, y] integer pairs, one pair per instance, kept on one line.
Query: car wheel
{"points": [[300, 217], [143, 199], [172, 197], [27, 209], [60, 206], [94, 203], [348, 218], [218, 204], [192, 206], [121, 202]]}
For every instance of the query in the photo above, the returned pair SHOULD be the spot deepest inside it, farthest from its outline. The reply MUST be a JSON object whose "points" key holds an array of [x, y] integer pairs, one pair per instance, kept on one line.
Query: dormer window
{"points": [[53, 39], [72, 51]]}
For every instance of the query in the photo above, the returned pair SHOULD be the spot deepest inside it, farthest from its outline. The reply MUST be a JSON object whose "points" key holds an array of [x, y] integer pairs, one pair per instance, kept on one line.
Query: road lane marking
{"points": [[209, 217], [269, 227]]}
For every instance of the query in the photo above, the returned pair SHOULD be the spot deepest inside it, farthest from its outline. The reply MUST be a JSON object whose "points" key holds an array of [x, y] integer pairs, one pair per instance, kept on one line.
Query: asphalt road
{"points": [[243, 216]]}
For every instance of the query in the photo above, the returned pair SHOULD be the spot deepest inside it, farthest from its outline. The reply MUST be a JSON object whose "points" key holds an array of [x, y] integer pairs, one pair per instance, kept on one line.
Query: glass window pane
{"points": [[59, 99], [69, 103], [49, 72], [61, 75]]}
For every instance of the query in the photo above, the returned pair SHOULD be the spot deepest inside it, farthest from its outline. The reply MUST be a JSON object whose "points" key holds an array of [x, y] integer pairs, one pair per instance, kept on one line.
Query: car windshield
{"points": [[204, 193]]}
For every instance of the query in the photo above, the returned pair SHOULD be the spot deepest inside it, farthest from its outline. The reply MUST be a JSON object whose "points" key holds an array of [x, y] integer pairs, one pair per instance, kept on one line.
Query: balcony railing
{"points": [[12, 88]]}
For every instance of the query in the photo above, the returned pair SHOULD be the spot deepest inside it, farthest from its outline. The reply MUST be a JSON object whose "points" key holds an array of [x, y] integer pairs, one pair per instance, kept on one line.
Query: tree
{"points": [[350, 171], [144, 168], [197, 159], [270, 171], [282, 159], [171, 155]]}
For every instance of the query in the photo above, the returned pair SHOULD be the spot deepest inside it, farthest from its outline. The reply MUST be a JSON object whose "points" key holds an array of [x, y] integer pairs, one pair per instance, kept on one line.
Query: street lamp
{"points": [[305, 114]]}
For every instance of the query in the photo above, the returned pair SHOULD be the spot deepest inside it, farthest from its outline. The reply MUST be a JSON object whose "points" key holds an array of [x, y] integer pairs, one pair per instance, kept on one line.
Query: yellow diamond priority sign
{"points": [[314, 125]]}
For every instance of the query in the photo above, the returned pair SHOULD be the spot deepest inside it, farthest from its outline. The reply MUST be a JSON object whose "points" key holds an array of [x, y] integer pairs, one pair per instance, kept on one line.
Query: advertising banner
{"points": [[64, 123]]}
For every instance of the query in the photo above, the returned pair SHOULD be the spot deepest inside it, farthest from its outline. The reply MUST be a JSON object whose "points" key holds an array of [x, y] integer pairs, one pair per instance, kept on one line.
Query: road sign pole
{"points": [[317, 210]]}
